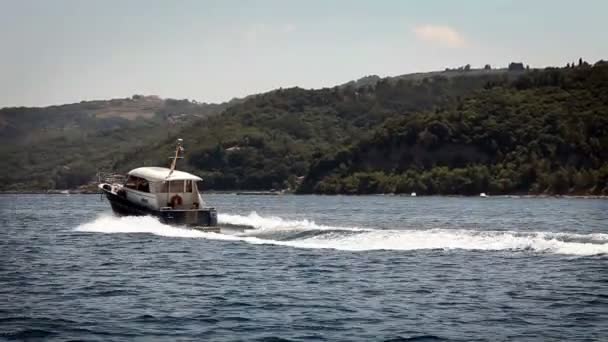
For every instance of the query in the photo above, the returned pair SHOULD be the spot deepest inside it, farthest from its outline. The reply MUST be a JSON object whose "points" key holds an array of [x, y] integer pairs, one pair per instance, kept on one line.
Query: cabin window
{"points": [[137, 183], [188, 186], [172, 186]]}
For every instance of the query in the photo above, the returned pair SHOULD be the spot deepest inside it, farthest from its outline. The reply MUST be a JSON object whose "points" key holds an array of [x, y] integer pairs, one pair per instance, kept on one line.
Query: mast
{"points": [[179, 149]]}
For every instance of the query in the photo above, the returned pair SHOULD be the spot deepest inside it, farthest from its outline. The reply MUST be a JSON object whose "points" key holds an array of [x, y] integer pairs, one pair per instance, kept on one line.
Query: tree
{"points": [[427, 139], [513, 66]]}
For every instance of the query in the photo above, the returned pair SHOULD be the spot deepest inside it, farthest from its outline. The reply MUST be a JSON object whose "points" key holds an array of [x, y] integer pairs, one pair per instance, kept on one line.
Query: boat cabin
{"points": [[158, 188]]}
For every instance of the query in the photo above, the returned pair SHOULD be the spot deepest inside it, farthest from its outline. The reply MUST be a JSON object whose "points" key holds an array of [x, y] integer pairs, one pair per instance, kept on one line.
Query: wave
{"points": [[110, 224], [308, 234]]}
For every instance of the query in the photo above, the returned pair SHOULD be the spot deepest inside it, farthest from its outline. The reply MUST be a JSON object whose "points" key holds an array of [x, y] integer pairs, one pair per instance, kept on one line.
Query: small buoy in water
{"points": [[413, 194], [483, 194]]}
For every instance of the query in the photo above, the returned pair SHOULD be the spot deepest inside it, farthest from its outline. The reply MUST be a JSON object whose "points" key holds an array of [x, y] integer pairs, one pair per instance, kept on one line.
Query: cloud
{"points": [[443, 35]]}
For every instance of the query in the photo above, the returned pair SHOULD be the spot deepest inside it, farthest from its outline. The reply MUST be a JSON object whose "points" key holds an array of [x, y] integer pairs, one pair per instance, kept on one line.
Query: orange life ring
{"points": [[176, 200]]}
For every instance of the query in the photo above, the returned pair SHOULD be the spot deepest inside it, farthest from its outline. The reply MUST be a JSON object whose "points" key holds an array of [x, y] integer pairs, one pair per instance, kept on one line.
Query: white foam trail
{"points": [[276, 223], [370, 239], [449, 239], [357, 239], [141, 224]]}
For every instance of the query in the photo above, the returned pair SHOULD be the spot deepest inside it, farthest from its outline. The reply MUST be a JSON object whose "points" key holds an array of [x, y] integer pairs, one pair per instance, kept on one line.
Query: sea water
{"points": [[311, 268]]}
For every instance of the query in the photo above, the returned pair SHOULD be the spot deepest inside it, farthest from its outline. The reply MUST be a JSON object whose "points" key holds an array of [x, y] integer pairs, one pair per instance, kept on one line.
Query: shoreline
{"points": [[274, 193]]}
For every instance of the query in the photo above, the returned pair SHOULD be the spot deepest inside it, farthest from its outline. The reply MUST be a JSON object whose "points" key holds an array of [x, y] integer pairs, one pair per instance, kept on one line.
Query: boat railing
{"points": [[111, 178]]}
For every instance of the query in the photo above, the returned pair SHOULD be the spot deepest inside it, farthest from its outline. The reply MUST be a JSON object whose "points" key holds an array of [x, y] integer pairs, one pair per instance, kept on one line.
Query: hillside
{"points": [[63, 146], [545, 132], [272, 139], [460, 131], [26, 125]]}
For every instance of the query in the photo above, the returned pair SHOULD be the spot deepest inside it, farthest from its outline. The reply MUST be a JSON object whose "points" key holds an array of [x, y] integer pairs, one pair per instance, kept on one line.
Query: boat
{"points": [[172, 196]]}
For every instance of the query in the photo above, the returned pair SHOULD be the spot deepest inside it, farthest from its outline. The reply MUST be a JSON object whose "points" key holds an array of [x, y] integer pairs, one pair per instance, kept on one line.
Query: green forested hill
{"points": [[545, 132], [454, 132], [271, 139], [63, 146]]}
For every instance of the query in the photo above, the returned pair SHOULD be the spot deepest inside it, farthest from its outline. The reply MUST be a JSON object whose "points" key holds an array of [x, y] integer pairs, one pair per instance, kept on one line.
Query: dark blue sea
{"points": [[313, 268]]}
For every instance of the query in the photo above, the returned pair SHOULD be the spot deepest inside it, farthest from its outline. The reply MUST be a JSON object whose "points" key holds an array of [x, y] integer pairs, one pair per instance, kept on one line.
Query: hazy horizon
{"points": [[213, 51]]}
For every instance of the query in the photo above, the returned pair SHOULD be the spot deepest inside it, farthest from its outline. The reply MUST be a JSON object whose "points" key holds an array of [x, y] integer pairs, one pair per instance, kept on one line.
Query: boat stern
{"points": [[206, 217]]}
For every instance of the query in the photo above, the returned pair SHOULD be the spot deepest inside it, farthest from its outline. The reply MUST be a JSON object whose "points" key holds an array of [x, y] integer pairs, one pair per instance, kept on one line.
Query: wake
{"points": [[308, 234]]}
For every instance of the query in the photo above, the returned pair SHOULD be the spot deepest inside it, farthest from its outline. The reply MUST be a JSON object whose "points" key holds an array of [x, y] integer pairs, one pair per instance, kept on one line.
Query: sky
{"points": [[65, 51]]}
